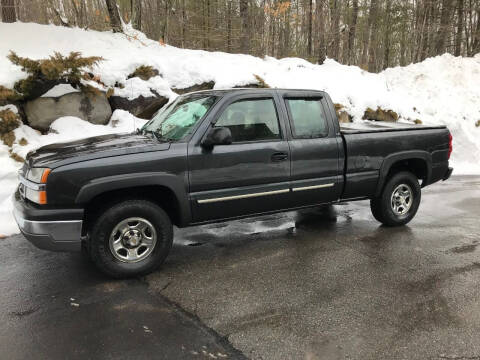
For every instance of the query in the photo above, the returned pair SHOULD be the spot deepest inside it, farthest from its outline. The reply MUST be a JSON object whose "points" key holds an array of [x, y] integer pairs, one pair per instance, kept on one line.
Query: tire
{"points": [[389, 209], [129, 251]]}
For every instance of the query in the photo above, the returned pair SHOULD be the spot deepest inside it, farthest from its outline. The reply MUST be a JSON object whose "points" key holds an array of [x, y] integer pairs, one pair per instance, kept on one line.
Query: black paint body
{"points": [[351, 163]]}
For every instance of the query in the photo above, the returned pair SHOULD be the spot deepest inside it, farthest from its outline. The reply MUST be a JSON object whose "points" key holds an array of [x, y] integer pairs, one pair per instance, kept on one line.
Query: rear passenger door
{"points": [[315, 172], [248, 176]]}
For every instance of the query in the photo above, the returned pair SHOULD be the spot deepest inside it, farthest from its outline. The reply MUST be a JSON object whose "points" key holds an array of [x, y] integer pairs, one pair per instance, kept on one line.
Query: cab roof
{"points": [[222, 92]]}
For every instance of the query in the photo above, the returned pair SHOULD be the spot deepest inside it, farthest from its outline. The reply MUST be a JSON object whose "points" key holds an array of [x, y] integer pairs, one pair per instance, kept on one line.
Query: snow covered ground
{"points": [[440, 90]]}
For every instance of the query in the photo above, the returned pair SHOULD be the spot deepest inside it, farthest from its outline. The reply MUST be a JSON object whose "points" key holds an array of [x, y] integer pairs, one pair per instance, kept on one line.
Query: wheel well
{"points": [[418, 167], [160, 195]]}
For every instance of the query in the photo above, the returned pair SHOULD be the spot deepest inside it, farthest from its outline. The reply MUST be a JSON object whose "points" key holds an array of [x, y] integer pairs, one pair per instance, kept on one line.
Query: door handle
{"points": [[280, 156]]}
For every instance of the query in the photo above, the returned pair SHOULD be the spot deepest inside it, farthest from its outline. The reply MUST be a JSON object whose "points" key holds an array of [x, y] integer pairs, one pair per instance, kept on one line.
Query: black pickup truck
{"points": [[215, 155]]}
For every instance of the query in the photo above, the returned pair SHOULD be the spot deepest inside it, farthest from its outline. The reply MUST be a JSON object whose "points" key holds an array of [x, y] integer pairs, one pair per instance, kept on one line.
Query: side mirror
{"points": [[217, 136]]}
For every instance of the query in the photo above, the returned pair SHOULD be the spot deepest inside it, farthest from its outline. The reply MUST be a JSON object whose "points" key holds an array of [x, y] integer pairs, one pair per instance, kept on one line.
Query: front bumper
{"points": [[52, 232]]}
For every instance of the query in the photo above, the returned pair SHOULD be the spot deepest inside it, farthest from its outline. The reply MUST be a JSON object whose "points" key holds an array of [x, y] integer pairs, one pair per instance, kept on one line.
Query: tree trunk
{"points": [[352, 32], [476, 36], [8, 11], [336, 30], [458, 39], [60, 12], [165, 23], [386, 41], [444, 27], [366, 38], [113, 13], [137, 14], [244, 26], [229, 26], [322, 48], [184, 23], [287, 33], [403, 40], [423, 42], [310, 18], [372, 48]]}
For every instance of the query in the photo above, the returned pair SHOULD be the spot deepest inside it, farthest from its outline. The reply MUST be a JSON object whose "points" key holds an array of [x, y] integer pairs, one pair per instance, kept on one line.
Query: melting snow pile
{"points": [[440, 90]]}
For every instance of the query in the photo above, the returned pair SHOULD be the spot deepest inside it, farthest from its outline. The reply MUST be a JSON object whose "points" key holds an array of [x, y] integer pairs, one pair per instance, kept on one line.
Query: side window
{"points": [[251, 120], [307, 118]]}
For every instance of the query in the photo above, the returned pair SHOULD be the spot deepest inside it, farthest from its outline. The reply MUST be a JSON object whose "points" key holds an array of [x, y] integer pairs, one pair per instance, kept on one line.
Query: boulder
{"points": [[198, 87], [144, 72], [94, 108], [380, 115], [142, 107], [343, 116], [248, 86]]}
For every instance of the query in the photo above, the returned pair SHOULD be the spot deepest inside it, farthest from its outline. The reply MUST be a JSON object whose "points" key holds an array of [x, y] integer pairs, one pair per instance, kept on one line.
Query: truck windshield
{"points": [[177, 120]]}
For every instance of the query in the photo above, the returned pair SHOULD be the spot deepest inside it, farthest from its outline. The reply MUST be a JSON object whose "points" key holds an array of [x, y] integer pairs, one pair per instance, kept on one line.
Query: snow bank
{"points": [[440, 90], [64, 129]]}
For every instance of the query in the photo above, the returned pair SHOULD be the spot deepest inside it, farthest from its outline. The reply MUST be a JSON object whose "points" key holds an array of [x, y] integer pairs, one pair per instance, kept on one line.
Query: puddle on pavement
{"points": [[313, 219]]}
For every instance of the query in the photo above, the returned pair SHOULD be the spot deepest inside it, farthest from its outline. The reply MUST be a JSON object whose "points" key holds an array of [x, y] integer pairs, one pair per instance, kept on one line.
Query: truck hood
{"points": [[96, 147]]}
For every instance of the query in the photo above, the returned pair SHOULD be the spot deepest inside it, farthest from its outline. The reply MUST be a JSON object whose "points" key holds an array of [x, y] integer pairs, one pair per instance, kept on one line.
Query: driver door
{"points": [[250, 175]]}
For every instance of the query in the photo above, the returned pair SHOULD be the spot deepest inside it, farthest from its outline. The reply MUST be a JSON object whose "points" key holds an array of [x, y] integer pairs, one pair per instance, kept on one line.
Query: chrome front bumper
{"points": [[63, 235]]}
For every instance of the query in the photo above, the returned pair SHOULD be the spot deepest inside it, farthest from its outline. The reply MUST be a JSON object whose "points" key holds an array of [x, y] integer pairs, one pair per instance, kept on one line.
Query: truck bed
{"points": [[381, 126], [369, 144]]}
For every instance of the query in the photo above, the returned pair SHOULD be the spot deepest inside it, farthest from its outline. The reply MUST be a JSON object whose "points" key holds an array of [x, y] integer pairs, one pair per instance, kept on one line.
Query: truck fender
{"points": [[101, 185], [391, 159]]}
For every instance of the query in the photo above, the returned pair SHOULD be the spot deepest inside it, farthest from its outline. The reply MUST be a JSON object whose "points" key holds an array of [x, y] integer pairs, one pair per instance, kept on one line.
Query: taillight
{"points": [[450, 145]]}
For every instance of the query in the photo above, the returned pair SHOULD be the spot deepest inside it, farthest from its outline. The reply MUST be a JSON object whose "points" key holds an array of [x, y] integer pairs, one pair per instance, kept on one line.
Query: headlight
{"points": [[38, 175], [35, 185]]}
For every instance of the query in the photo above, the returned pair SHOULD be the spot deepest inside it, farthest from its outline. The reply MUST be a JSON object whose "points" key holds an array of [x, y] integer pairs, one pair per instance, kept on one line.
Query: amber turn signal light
{"points": [[45, 174]]}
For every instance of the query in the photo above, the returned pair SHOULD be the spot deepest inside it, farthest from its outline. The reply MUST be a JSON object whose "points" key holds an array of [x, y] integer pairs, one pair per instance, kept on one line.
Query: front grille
{"points": [[22, 174], [21, 190], [23, 171]]}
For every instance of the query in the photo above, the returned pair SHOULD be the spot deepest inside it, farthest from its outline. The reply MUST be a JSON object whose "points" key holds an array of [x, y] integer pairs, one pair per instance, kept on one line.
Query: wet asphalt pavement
{"points": [[327, 283]]}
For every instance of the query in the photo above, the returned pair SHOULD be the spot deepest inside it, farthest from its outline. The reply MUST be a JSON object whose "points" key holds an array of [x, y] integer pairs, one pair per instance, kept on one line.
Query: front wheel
{"points": [[399, 201], [131, 238]]}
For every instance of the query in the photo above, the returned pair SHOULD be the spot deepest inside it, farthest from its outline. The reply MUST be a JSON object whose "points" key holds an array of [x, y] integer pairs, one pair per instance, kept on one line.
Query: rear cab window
{"points": [[307, 118]]}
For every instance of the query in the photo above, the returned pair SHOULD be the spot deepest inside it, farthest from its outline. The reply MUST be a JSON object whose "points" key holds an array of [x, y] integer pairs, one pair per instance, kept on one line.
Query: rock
{"points": [[41, 112], [142, 107], [248, 86], [477, 124], [380, 115], [144, 72], [418, 121], [343, 116], [198, 87]]}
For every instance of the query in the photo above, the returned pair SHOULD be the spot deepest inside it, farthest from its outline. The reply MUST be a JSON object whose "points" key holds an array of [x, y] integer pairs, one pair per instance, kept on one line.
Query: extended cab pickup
{"points": [[215, 155]]}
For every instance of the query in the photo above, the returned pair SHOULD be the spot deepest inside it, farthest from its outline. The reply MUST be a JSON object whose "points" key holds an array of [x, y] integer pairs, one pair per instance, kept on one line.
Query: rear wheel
{"points": [[131, 238], [399, 201]]}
